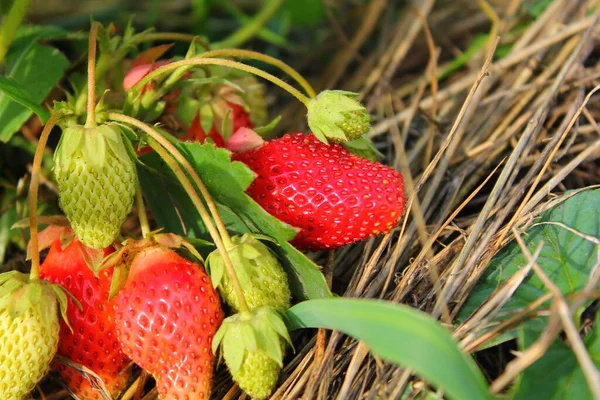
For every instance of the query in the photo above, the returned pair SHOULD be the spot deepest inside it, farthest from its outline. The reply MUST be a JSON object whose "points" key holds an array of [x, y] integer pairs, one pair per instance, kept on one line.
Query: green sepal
{"points": [[18, 294], [336, 115], [233, 347], [363, 147], [276, 322], [114, 138], [215, 266], [265, 130], [227, 125], [207, 118], [346, 93], [248, 251], [258, 330], [93, 150], [61, 295], [70, 141]]}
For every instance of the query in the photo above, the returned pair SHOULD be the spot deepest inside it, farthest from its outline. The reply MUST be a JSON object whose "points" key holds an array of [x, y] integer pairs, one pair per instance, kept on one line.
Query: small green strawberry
{"points": [[336, 115], [252, 345], [260, 274], [96, 182], [29, 327]]}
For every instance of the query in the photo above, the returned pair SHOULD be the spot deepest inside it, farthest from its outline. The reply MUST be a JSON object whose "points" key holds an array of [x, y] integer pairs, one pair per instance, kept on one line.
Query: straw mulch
{"points": [[482, 149]]}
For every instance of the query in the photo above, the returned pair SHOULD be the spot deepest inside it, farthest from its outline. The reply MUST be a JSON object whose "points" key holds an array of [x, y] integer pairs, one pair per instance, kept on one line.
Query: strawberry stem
{"points": [[184, 37], [226, 63], [205, 218], [248, 30], [90, 122], [172, 156], [141, 209], [33, 196], [253, 55]]}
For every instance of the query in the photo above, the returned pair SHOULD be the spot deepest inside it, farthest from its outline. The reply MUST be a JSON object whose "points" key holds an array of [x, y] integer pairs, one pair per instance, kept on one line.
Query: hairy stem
{"points": [[253, 55], [249, 30], [226, 63], [10, 24], [141, 209], [164, 149], [91, 89], [33, 196]]}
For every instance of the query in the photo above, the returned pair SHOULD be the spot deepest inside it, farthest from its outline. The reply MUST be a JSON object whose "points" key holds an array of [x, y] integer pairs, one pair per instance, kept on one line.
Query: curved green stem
{"points": [[253, 55], [190, 62], [172, 156], [249, 30], [141, 209], [183, 37], [10, 24], [90, 122], [33, 196]]}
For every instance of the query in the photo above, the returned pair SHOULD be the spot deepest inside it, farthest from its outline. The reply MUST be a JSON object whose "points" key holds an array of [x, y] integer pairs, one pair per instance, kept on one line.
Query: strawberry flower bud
{"points": [[336, 115], [96, 182]]}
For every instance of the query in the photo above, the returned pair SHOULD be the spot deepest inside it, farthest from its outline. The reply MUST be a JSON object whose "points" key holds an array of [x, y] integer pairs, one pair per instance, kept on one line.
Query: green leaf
{"points": [[21, 96], [35, 69], [401, 335], [565, 257], [557, 374], [226, 181], [305, 13]]}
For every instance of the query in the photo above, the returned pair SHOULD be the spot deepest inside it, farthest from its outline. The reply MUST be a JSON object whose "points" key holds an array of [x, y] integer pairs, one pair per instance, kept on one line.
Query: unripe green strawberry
{"points": [[260, 274], [96, 182], [253, 344], [336, 115], [258, 374], [29, 327]]}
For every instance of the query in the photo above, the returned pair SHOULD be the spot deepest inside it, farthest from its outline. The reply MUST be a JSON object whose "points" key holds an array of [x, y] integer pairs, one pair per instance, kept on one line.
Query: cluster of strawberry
{"points": [[140, 300]]}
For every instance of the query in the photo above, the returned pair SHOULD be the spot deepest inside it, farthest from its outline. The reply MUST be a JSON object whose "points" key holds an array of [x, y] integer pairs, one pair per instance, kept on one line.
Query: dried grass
{"points": [[482, 150]]}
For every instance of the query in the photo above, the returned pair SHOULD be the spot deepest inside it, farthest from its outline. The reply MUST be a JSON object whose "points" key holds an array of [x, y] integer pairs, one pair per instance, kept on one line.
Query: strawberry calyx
{"points": [[336, 115], [259, 329], [253, 339], [122, 258], [19, 293]]}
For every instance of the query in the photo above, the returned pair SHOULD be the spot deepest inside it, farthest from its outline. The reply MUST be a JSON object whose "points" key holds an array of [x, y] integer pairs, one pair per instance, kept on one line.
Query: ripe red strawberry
{"points": [[335, 197], [93, 341], [167, 315]]}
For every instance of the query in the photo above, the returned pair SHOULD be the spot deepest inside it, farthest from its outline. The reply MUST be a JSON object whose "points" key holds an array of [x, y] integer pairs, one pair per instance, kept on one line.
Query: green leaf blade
{"points": [[33, 68], [401, 335], [557, 374], [566, 258], [12, 89]]}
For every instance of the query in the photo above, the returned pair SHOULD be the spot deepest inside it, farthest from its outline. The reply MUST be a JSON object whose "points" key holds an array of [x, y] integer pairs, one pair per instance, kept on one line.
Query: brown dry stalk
{"points": [[498, 67]]}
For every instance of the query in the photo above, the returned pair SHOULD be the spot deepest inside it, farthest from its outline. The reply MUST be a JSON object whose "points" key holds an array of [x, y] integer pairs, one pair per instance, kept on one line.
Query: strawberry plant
{"points": [[173, 206]]}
